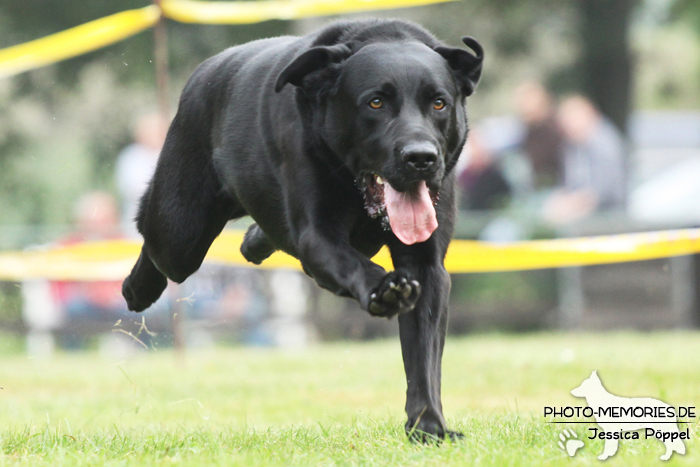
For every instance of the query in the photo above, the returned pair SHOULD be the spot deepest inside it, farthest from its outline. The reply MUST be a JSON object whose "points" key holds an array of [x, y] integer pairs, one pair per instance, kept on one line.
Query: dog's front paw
{"points": [[138, 298], [431, 431], [396, 293]]}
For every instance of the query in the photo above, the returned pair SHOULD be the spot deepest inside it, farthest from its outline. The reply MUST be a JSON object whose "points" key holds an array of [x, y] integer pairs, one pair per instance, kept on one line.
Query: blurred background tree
{"points": [[598, 60], [687, 10], [62, 126], [604, 67]]}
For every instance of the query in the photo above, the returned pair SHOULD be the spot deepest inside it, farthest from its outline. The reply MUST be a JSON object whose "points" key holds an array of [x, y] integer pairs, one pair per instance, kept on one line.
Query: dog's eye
{"points": [[376, 103], [439, 104]]}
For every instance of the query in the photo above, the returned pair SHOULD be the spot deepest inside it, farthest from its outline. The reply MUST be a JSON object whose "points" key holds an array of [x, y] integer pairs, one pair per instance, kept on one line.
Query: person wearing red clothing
{"points": [[96, 218]]}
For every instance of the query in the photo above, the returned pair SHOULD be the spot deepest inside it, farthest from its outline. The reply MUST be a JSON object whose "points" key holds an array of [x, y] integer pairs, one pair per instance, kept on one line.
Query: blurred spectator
{"points": [[96, 218], [48, 305], [593, 171], [542, 140], [482, 183], [136, 164]]}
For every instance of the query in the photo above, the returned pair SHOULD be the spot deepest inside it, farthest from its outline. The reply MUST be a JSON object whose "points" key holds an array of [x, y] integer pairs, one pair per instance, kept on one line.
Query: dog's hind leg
{"points": [[256, 246], [144, 285], [183, 211]]}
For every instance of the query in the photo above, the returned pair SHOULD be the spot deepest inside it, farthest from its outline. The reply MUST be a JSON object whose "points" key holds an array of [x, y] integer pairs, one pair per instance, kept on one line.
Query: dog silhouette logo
{"points": [[622, 417]]}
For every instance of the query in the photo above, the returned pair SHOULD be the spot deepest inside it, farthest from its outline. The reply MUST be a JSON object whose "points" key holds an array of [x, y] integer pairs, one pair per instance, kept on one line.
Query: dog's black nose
{"points": [[420, 156]]}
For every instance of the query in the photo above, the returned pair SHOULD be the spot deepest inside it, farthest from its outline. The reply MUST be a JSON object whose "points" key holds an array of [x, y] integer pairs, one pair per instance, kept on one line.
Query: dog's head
{"points": [[393, 112], [589, 387]]}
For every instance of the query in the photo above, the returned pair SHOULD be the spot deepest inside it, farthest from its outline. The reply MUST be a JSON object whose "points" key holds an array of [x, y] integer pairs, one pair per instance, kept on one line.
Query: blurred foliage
{"points": [[513, 286], [667, 52], [11, 344], [687, 10], [62, 126], [10, 309], [512, 301], [668, 69]]}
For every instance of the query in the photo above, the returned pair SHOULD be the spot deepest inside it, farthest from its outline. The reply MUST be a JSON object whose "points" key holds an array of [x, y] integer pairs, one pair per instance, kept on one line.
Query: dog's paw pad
{"points": [[374, 307], [390, 295], [396, 293], [569, 442]]}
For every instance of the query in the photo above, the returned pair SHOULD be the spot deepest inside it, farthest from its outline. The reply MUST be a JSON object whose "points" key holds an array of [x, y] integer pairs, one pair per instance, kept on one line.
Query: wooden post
{"points": [[160, 54], [177, 317]]}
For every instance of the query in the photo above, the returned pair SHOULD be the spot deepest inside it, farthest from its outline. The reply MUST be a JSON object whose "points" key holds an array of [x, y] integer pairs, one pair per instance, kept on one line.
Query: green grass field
{"points": [[334, 404]]}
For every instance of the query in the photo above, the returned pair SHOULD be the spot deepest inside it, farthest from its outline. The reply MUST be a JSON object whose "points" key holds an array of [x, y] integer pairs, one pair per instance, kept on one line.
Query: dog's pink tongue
{"points": [[411, 215]]}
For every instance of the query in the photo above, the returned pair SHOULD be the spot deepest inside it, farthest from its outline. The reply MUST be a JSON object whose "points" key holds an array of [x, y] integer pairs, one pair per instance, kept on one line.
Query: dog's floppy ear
{"points": [[465, 66], [314, 59]]}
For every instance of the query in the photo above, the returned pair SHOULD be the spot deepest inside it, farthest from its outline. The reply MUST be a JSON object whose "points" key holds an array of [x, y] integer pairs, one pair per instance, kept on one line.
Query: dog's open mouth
{"points": [[410, 214]]}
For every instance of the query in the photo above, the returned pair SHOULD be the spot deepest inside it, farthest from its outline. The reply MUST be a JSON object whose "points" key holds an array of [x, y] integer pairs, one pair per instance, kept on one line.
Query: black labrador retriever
{"points": [[336, 144]]}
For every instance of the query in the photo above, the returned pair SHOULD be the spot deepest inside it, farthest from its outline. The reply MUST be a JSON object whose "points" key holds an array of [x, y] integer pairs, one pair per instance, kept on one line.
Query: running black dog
{"points": [[335, 143]]}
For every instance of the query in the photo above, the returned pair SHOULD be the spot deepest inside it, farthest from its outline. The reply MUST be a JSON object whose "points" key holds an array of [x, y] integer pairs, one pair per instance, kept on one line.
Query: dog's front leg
{"points": [[422, 334], [320, 218], [336, 266]]}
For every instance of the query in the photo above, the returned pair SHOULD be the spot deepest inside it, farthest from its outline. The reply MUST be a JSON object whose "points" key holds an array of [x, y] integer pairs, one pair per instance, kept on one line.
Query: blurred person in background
{"points": [[136, 164], [483, 185], [48, 305], [543, 141], [96, 218], [593, 175]]}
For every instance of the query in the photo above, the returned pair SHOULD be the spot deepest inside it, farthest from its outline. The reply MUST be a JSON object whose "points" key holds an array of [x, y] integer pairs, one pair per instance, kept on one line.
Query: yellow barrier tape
{"points": [[189, 11], [472, 256], [110, 29], [76, 41], [112, 260]]}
